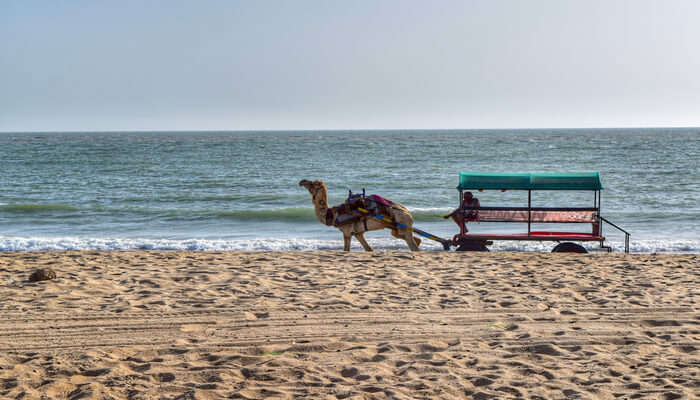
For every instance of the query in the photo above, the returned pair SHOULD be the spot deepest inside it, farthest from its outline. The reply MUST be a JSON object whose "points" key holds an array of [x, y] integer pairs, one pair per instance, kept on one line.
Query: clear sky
{"points": [[338, 64]]}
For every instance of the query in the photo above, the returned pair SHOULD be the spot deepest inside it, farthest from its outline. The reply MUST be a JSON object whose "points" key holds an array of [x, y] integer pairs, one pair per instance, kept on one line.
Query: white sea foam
{"points": [[15, 243], [78, 243]]}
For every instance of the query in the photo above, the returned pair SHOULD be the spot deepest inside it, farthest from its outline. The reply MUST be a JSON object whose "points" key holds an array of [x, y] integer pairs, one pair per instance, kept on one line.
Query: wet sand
{"points": [[438, 325]]}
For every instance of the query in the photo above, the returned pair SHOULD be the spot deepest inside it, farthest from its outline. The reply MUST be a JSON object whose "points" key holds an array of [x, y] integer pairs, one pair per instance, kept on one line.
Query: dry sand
{"points": [[195, 325]]}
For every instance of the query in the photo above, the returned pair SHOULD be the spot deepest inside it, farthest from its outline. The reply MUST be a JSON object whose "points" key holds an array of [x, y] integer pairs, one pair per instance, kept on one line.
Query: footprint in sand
{"points": [[165, 377], [96, 372], [140, 367], [481, 381]]}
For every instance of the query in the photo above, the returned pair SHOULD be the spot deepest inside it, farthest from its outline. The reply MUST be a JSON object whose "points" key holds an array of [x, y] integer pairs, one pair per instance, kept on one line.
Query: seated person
{"points": [[468, 211]]}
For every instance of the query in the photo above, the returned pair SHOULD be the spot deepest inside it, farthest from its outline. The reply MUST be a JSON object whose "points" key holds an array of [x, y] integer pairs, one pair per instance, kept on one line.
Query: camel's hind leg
{"points": [[361, 238], [417, 240], [412, 242]]}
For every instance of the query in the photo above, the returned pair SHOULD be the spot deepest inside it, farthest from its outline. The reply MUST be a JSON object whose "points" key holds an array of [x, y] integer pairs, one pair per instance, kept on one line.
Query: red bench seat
{"points": [[534, 215], [537, 215], [543, 236]]}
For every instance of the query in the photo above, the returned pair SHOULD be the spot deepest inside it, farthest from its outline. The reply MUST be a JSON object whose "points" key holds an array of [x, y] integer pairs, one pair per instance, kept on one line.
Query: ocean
{"points": [[239, 190]]}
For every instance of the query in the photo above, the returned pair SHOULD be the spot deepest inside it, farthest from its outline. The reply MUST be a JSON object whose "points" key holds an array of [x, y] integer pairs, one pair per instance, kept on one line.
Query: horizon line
{"points": [[343, 130]]}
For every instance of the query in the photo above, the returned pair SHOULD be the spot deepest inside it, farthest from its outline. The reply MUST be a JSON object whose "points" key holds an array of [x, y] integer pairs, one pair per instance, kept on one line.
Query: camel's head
{"points": [[314, 187]]}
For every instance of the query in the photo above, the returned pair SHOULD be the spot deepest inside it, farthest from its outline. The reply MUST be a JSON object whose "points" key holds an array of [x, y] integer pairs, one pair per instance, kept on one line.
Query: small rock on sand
{"points": [[43, 274]]}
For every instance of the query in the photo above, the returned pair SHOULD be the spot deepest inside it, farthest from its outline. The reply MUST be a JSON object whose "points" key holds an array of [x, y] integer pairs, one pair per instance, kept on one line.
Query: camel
{"points": [[397, 213]]}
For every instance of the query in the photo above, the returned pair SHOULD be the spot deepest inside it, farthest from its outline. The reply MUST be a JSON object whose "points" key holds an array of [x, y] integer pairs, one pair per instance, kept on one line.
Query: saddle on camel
{"points": [[358, 207]]}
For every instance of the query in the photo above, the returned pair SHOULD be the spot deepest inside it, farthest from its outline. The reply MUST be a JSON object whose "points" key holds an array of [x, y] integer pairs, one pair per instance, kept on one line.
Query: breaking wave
{"points": [[17, 243]]}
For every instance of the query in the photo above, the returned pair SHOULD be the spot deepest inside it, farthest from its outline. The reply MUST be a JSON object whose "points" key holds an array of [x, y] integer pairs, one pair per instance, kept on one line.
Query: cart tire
{"points": [[472, 245], [568, 247]]}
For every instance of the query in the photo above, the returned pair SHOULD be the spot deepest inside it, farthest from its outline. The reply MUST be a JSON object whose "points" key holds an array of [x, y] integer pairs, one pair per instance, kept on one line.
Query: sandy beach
{"points": [[438, 325]]}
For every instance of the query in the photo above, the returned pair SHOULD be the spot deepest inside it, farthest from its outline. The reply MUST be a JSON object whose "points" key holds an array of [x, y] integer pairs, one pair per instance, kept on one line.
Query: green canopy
{"points": [[530, 181]]}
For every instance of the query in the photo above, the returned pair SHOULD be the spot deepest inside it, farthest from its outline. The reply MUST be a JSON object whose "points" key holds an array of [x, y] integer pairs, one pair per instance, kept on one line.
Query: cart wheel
{"points": [[568, 247], [472, 245]]}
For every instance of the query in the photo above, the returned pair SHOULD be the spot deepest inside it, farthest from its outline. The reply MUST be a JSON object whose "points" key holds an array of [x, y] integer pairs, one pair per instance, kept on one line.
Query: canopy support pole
{"points": [[529, 210]]}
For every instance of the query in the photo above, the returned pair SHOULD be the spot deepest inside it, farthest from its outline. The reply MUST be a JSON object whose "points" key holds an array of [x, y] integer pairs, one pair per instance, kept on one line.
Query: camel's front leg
{"points": [[347, 238], [361, 238]]}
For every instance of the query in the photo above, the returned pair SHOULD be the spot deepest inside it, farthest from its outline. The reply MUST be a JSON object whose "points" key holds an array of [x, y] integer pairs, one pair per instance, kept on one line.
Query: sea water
{"points": [[239, 190]]}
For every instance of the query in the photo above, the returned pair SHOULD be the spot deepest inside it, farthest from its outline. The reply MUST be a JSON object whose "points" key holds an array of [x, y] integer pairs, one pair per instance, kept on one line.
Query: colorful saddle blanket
{"points": [[349, 212]]}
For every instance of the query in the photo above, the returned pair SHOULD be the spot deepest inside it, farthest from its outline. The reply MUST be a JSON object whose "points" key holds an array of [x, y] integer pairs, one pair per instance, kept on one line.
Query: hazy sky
{"points": [[232, 65]]}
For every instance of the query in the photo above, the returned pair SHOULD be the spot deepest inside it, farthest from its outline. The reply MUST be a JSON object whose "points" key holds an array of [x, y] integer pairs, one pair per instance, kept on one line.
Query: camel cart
{"points": [[533, 182]]}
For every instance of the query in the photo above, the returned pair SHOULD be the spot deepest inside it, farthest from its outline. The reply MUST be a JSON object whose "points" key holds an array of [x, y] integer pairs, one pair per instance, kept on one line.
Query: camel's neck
{"points": [[321, 206]]}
